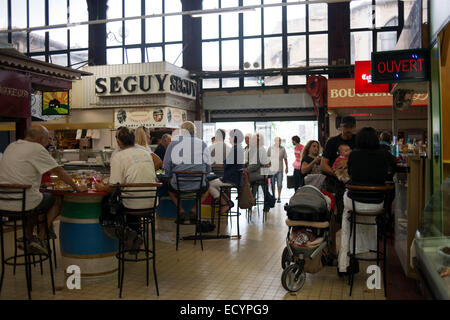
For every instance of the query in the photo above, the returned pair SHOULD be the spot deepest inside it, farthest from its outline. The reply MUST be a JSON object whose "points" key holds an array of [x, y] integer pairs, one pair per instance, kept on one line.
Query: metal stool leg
{"points": [[49, 253], [2, 253], [154, 253], [146, 241], [199, 218], [178, 219]]}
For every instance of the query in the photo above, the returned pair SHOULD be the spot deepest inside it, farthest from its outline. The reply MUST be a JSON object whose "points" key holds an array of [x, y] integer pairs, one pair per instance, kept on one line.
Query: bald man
{"points": [[24, 162]]}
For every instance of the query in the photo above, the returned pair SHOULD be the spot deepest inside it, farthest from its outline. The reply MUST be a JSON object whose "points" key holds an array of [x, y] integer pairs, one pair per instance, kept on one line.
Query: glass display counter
{"points": [[432, 245]]}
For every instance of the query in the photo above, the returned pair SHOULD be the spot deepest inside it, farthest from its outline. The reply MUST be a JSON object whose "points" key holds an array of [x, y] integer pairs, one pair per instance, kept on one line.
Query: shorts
{"points": [[203, 189], [278, 177], [46, 204]]}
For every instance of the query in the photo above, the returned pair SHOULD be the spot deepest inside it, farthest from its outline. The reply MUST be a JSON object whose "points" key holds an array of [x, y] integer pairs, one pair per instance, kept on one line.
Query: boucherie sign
{"points": [[400, 66], [145, 84], [341, 94]]}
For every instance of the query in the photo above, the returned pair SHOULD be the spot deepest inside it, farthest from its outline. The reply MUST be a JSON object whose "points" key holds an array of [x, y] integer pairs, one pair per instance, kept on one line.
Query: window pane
{"points": [[173, 27], [229, 3], [78, 11], [296, 80], [318, 50], [318, 17], [77, 58], [37, 19], [57, 12], [18, 19], [154, 54], [153, 6], [252, 19], [114, 9], [174, 54], [273, 53], [273, 81], [386, 13], [60, 59], [133, 32], [133, 55], [272, 18], [230, 55], [230, 82], [251, 82], [386, 41], [19, 41], [114, 33], [37, 41], [210, 54], [360, 45], [210, 83], [296, 51], [41, 58], [114, 56], [296, 16], [230, 25], [361, 14], [58, 39], [210, 26], [4, 14], [79, 37], [153, 30], [252, 53], [172, 6]]}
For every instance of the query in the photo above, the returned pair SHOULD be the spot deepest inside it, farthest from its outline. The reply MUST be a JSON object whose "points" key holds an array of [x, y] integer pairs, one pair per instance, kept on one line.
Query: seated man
{"points": [[24, 162], [186, 153], [131, 165], [160, 150]]}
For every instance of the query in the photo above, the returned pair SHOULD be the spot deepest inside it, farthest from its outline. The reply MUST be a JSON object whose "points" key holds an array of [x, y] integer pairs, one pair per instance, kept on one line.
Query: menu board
{"points": [[157, 117]]}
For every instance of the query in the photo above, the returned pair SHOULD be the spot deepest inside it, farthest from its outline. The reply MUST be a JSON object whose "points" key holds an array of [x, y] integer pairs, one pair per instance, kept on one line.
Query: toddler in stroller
{"points": [[308, 214]]}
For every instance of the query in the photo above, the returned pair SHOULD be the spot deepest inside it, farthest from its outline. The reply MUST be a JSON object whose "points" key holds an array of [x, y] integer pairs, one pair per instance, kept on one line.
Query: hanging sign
{"points": [[363, 79], [400, 66]]}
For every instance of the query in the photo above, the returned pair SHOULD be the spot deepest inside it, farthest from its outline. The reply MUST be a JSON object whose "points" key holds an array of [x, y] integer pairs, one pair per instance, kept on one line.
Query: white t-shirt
{"points": [[25, 162], [133, 165]]}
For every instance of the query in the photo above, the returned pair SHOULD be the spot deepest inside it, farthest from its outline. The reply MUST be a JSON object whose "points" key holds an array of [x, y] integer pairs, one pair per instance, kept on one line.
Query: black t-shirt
{"points": [[308, 160], [331, 151], [368, 167], [160, 151]]}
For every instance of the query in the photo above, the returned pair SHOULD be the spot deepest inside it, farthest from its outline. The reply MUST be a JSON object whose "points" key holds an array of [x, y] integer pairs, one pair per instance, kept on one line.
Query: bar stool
{"points": [[142, 218], [375, 195], [229, 214], [194, 178], [17, 193], [264, 185]]}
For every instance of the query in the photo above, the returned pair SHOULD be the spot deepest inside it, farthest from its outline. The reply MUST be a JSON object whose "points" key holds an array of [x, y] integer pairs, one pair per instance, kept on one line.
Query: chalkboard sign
{"points": [[400, 66]]}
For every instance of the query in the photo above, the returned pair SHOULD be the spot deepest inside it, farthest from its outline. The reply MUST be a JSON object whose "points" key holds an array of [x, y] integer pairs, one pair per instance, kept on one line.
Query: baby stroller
{"points": [[308, 215]]}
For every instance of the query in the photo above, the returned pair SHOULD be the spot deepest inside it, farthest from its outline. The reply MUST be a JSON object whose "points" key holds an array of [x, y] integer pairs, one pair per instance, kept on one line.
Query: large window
{"points": [[271, 36], [374, 26], [146, 40]]}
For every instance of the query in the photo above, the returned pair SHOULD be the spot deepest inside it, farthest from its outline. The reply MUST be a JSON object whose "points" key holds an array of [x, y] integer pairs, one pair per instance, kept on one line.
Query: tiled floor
{"points": [[249, 268]]}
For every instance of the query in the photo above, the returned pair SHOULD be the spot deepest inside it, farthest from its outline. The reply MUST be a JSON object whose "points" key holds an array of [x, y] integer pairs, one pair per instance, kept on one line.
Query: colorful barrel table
{"points": [[82, 240]]}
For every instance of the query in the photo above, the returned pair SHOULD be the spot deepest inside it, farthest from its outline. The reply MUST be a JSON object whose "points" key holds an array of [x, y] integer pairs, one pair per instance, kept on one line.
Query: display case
{"points": [[432, 245]]}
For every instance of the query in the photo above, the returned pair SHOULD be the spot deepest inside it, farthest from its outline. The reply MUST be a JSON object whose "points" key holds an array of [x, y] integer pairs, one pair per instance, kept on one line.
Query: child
{"points": [[342, 173]]}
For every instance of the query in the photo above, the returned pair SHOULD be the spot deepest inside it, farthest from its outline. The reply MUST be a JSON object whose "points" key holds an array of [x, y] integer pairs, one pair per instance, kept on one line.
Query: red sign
{"points": [[363, 79], [15, 99]]}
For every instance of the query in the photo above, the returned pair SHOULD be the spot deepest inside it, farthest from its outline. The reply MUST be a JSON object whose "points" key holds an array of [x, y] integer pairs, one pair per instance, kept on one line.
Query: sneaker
{"points": [[279, 201]]}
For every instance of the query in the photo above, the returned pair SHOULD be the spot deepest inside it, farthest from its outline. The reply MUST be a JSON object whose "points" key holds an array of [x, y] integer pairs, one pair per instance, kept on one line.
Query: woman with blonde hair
{"points": [[141, 140]]}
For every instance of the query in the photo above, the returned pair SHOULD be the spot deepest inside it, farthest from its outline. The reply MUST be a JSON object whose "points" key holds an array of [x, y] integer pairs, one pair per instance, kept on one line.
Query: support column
{"points": [[192, 45], [97, 32], [339, 36]]}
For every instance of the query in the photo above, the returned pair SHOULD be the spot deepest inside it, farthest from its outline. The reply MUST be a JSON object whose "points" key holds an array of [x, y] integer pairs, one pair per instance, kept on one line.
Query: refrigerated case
{"points": [[431, 243]]}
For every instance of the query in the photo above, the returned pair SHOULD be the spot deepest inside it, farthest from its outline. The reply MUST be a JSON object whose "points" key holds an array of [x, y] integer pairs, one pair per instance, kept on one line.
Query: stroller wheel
{"points": [[293, 278], [286, 259]]}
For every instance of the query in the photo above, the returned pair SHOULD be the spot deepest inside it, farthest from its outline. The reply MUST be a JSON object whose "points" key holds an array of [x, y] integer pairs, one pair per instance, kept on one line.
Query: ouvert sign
{"points": [[145, 84]]}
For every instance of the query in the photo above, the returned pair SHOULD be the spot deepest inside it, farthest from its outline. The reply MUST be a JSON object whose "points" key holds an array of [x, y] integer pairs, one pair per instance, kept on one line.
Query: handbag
{"points": [[290, 182], [246, 199], [269, 200], [112, 218]]}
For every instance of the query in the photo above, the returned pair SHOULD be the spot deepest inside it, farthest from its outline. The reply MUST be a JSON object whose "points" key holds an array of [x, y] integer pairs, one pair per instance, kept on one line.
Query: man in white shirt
{"points": [[24, 162], [277, 154]]}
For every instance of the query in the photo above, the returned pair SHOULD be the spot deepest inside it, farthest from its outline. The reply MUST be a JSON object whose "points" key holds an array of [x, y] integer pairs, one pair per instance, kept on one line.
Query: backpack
{"points": [[308, 204], [112, 218]]}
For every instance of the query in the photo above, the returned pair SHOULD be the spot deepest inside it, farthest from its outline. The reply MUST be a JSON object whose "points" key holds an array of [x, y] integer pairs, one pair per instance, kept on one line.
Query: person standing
{"points": [[247, 145], [160, 150], [278, 154], [298, 148]]}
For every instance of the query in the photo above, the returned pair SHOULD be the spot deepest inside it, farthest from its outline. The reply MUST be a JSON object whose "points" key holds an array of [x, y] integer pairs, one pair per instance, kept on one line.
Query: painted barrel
{"points": [[82, 240]]}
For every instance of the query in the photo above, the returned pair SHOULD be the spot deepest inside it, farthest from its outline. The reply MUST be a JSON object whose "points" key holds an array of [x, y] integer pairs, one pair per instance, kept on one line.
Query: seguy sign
{"points": [[400, 66], [145, 84]]}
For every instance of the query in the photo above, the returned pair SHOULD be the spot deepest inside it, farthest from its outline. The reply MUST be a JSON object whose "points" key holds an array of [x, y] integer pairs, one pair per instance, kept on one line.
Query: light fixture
{"points": [[200, 14]]}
